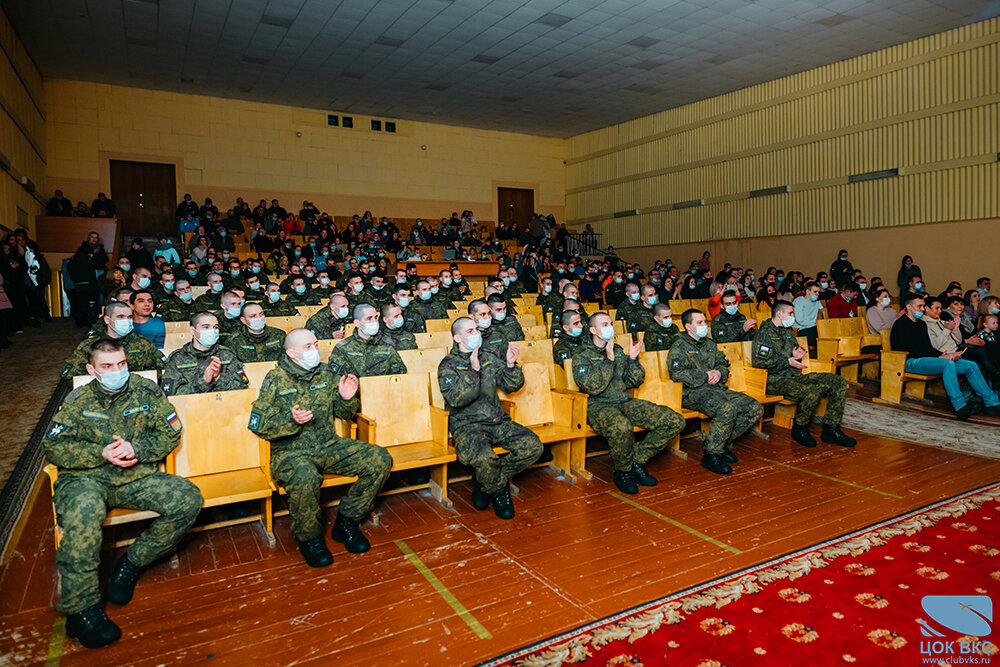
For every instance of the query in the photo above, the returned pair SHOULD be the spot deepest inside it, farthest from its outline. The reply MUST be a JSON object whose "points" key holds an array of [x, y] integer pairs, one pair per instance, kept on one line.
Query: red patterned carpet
{"points": [[856, 599]]}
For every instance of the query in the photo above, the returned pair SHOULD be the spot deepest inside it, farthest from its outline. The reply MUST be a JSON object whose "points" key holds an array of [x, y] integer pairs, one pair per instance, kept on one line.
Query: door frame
{"points": [[180, 174], [520, 185]]}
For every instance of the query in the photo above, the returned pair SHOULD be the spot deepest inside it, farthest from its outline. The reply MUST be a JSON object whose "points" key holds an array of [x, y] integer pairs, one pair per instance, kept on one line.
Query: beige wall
{"points": [[22, 132], [930, 108], [228, 148], [945, 251]]}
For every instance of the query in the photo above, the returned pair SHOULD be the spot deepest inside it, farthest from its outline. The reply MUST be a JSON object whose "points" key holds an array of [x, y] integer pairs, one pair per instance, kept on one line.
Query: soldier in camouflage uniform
{"points": [[360, 354], [142, 355], [494, 340], [506, 325], [641, 317], [776, 349], [548, 298], [570, 337], [295, 411], [274, 305], [229, 315], [106, 441], [204, 364], [449, 290], [663, 335], [300, 294], [695, 360], [392, 331], [567, 304], [324, 287], [426, 305], [180, 306], [412, 320], [354, 288], [209, 301], [460, 283], [469, 377], [376, 293], [254, 288], [730, 325], [630, 303], [329, 323], [256, 341], [602, 370]]}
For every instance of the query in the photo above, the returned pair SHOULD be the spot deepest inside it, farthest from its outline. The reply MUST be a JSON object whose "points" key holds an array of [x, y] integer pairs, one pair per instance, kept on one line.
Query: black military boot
{"points": [[503, 506], [480, 500], [121, 580], [833, 434], [546, 455], [641, 476], [715, 463], [728, 456], [801, 435], [315, 552], [92, 628], [625, 481], [349, 533]]}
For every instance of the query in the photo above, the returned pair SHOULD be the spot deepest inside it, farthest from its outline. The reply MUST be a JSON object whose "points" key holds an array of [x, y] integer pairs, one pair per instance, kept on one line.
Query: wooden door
{"points": [[145, 194], [515, 206]]}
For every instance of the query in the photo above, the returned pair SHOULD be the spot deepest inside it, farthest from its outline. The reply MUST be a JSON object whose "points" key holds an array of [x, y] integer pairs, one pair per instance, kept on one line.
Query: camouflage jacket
{"points": [[565, 346], [625, 310], [91, 416], [286, 385], [227, 326], [307, 299], [363, 358], [514, 290], [471, 395], [728, 328], [604, 380], [451, 293], [690, 360], [185, 373], [413, 321], [324, 323], [175, 310], [549, 302], [268, 345], [641, 319], [659, 338], [494, 341], [208, 302], [279, 308], [432, 309], [397, 339], [772, 348], [140, 352], [510, 328]]}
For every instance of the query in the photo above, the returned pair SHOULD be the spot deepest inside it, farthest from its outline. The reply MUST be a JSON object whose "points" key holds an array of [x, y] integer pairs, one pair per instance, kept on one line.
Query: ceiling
{"points": [[545, 67]]}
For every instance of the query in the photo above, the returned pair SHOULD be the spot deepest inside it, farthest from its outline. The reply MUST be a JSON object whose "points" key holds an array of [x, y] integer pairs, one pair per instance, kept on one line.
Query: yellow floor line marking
{"points": [[832, 479], [448, 596], [56, 642], [678, 524]]}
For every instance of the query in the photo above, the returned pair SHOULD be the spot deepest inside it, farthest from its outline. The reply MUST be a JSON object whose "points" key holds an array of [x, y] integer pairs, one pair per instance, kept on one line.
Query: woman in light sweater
{"points": [[879, 315]]}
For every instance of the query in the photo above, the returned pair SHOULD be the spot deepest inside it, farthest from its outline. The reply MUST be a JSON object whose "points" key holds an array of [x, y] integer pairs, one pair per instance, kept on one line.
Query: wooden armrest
{"points": [[366, 428], [570, 392], [509, 406]]}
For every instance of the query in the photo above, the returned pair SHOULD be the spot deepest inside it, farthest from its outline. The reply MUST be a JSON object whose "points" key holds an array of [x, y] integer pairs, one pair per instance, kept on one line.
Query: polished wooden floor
{"points": [[574, 553]]}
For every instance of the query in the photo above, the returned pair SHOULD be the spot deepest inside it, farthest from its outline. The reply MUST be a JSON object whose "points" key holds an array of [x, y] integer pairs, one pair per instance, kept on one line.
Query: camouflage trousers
{"points": [[615, 423], [300, 472], [732, 413], [82, 505], [474, 447], [807, 390]]}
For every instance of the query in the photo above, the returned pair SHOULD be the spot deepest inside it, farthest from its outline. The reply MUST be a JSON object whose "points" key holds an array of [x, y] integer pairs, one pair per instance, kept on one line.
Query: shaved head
{"points": [[298, 338]]}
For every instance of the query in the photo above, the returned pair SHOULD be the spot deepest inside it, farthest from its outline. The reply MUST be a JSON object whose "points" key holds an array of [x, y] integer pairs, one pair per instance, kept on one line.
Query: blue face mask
{"points": [[216, 287], [425, 295], [168, 285], [397, 323], [186, 296], [732, 310], [701, 331], [618, 281], [474, 340], [113, 380], [574, 331], [125, 267], [404, 301], [208, 337], [143, 282], [192, 273], [300, 289], [606, 333], [122, 327], [273, 296], [547, 288], [500, 317], [918, 314], [814, 297], [651, 300], [255, 269], [233, 311]]}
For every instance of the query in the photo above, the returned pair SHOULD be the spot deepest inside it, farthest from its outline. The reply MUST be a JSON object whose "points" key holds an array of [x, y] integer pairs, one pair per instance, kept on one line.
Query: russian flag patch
{"points": [[174, 421]]}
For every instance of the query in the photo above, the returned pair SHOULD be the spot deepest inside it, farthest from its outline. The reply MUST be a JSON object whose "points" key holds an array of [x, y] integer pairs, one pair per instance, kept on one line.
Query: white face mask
{"points": [[787, 322], [257, 323], [606, 333], [701, 331], [369, 328]]}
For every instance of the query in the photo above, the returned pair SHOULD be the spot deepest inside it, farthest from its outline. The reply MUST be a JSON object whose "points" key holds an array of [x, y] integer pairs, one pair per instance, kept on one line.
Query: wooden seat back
{"points": [[733, 352], [427, 361], [434, 339], [256, 371], [215, 437], [399, 405], [438, 326], [286, 322], [535, 351], [175, 341], [537, 332], [533, 401]]}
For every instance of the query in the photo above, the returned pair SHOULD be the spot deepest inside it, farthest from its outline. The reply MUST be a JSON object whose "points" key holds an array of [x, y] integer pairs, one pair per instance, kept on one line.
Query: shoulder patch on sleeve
{"points": [[334, 367], [764, 350], [581, 369], [254, 421], [174, 421], [719, 332], [56, 430], [448, 380], [676, 363]]}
